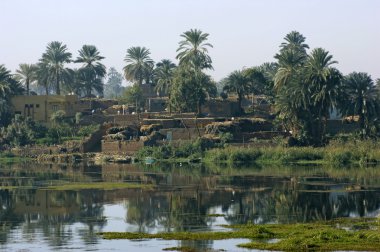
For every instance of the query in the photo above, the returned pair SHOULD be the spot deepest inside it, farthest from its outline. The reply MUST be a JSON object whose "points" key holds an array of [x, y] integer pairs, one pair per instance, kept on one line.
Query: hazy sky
{"points": [[243, 32]]}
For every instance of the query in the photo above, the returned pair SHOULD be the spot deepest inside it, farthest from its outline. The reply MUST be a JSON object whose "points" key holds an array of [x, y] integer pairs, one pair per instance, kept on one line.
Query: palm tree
{"points": [[294, 41], [8, 87], [193, 50], [43, 76], [138, 63], [324, 82], [90, 57], [306, 87], [26, 74], [91, 73], [86, 81], [55, 57], [164, 77], [238, 83], [360, 98]]}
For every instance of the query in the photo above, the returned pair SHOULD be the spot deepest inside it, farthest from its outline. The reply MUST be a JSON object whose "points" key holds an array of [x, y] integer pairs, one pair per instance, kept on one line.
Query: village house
{"points": [[41, 107]]}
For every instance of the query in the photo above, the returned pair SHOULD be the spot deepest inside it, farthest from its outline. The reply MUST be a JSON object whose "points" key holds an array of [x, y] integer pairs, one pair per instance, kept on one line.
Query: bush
{"points": [[22, 132], [340, 158], [86, 131]]}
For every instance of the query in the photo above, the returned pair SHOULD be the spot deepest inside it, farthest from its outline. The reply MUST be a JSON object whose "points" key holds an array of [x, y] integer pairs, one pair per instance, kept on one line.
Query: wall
{"points": [[40, 107], [121, 147], [221, 108], [182, 133]]}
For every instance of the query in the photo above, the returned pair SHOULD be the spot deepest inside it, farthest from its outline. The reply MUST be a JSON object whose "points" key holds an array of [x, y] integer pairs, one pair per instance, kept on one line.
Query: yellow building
{"points": [[40, 107]]}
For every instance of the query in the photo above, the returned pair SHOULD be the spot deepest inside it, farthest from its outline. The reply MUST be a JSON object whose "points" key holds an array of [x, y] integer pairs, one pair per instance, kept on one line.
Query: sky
{"points": [[244, 33]]}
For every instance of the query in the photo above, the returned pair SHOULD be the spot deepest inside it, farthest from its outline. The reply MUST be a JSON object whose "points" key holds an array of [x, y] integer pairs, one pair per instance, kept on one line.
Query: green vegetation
{"points": [[8, 157], [191, 86], [341, 234], [53, 60], [336, 153], [90, 76], [113, 87], [23, 132], [26, 74], [303, 86], [182, 150], [9, 87], [96, 185], [359, 153]]}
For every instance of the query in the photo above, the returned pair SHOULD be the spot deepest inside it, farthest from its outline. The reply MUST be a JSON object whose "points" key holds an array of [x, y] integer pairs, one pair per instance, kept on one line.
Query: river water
{"points": [[36, 217]]}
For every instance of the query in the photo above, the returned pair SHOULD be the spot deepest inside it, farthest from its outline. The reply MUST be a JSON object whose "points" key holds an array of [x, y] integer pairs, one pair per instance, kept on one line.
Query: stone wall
{"points": [[34, 151], [221, 108], [121, 147], [166, 123], [182, 133]]}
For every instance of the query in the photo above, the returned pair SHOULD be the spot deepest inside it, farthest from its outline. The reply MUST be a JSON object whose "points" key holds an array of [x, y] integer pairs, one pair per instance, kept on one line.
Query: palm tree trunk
{"points": [[199, 108], [239, 103], [46, 88], [27, 86], [58, 90], [170, 105]]}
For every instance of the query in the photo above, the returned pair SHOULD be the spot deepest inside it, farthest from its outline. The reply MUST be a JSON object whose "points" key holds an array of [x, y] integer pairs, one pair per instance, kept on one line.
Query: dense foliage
{"points": [[303, 85]]}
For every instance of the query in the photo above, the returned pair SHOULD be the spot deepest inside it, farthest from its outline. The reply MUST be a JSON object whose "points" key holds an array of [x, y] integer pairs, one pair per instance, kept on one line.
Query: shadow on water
{"points": [[185, 197]]}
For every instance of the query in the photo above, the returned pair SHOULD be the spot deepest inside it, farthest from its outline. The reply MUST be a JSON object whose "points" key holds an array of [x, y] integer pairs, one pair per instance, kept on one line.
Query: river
{"points": [[34, 216]]}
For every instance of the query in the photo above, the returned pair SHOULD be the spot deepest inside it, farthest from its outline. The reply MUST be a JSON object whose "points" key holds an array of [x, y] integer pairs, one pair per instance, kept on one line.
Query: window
{"points": [[37, 105], [55, 107]]}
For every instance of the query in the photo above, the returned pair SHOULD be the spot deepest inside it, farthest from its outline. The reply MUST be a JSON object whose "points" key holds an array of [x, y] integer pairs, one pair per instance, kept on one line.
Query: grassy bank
{"points": [[360, 153], [8, 157], [342, 234], [336, 153]]}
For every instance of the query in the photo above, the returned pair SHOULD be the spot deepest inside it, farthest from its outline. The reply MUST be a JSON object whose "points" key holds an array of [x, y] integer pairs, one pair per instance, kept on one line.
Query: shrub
{"points": [[86, 131]]}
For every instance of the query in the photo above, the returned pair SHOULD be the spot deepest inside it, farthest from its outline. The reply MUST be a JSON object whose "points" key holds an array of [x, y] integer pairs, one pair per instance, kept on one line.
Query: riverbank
{"points": [[7, 157], [352, 153], [360, 234], [361, 153]]}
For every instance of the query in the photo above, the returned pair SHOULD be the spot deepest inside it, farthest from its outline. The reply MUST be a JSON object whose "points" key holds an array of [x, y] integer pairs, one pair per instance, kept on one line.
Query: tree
{"points": [[189, 78], [190, 89], [113, 86], [138, 64], [43, 77], [133, 95], [325, 84], [294, 41], [193, 50], [8, 88], [26, 74], [269, 70], [238, 83], [86, 81], [257, 81], [55, 57], [92, 72], [164, 77], [306, 88], [360, 98]]}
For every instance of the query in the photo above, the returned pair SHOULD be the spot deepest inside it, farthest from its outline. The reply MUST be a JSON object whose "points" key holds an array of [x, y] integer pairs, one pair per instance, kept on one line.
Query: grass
{"points": [[359, 153], [96, 185], [361, 234], [8, 157]]}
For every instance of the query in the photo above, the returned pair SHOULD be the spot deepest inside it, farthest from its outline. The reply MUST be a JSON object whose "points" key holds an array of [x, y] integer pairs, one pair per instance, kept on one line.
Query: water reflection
{"points": [[184, 199]]}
